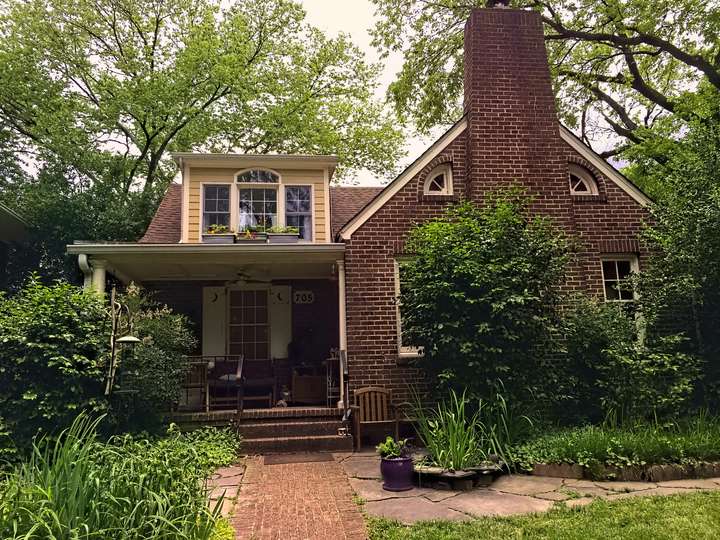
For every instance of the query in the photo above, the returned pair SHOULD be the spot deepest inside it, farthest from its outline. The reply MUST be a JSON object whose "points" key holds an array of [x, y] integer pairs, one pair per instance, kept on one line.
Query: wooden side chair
{"points": [[374, 405]]}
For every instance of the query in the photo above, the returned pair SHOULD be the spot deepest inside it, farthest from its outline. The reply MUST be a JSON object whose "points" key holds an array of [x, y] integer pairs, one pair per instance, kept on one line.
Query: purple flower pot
{"points": [[397, 473]]}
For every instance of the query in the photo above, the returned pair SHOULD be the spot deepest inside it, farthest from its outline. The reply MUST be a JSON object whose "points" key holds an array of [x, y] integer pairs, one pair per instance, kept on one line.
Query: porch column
{"points": [[99, 269], [342, 326]]}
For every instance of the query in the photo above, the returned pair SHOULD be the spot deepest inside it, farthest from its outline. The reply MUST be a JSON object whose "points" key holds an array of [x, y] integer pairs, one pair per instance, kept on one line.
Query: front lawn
{"points": [[692, 517]]}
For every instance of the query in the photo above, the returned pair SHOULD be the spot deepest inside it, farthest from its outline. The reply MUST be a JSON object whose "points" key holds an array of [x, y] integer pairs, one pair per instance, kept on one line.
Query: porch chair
{"points": [[223, 382], [373, 405], [258, 377]]}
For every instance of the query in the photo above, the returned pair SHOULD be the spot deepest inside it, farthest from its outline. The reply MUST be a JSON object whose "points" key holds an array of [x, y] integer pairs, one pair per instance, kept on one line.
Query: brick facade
{"points": [[512, 138]]}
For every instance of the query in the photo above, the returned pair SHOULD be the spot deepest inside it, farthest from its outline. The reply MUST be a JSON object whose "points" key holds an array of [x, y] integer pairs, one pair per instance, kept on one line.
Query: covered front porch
{"points": [[269, 319]]}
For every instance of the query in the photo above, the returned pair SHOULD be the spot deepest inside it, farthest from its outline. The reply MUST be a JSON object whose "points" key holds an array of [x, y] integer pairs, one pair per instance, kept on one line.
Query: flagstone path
{"points": [[508, 495]]}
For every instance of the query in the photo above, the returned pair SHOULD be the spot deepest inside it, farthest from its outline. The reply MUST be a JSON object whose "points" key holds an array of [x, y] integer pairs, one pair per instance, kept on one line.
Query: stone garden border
{"points": [[637, 473]]}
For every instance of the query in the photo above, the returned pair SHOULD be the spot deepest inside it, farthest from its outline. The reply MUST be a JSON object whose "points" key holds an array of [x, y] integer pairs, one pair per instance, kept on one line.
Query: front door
{"points": [[249, 332]]}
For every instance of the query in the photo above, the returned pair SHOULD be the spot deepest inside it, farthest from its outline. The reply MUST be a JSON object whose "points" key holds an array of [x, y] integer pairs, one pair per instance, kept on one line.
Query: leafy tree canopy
{"points": [[632, 71]]}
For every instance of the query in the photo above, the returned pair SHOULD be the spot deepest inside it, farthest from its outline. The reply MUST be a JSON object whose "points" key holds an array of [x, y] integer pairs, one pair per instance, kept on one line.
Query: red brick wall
{"points": [[512, 138]]}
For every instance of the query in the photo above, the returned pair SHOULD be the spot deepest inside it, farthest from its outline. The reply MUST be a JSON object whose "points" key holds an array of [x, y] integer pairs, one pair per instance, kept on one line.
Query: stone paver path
{"points": [[508, 495], [224, 484], [296, 501]]}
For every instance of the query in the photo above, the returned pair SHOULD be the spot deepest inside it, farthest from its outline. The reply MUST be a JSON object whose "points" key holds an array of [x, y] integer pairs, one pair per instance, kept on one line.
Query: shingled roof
{"points": [[165, 225], [345, 202]]}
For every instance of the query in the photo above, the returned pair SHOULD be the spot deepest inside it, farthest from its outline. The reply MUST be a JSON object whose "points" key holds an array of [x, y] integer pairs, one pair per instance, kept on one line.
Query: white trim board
{"points": [[604, 167], [396, 185]]}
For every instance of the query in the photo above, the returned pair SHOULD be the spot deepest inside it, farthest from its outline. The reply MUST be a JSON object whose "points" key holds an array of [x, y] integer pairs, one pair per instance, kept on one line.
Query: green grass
{"points": [[678, 517], [696, 439]]}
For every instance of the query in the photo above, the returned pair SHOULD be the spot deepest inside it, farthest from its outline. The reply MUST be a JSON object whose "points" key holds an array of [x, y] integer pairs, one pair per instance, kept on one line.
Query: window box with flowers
{"points": [[218, 234], [283, 235], [252, 235]]}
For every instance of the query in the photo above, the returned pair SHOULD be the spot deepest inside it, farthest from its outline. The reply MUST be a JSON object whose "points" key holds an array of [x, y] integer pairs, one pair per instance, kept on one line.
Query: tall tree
{"points": [[108, 87], [630, 71]]}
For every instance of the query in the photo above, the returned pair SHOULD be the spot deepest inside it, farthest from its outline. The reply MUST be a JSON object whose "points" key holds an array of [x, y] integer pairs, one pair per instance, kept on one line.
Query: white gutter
{"points": [[289, 249]]}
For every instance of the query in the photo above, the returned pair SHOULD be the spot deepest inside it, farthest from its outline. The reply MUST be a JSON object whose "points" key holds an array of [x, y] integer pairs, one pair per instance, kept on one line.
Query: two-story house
{"points": [[335, 287]]}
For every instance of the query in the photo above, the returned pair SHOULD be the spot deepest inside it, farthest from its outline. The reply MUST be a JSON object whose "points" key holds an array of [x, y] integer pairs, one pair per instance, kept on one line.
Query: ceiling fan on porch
{"points": [[245, 278]]}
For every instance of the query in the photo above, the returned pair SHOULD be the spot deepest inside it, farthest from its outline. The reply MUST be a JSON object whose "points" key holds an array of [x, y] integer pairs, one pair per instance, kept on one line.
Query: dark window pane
{"points": [[623, 269], [223, 205], [223, 192], [291, 205], [609, 269], [611, 291], [626, 293]]}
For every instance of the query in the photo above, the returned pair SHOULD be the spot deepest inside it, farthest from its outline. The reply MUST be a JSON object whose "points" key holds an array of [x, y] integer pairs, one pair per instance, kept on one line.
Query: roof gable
{"points": [[402, 179]]}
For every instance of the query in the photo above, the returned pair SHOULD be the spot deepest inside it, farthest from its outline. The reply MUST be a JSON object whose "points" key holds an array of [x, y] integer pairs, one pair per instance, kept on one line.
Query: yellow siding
{"points": [[199, 176]]}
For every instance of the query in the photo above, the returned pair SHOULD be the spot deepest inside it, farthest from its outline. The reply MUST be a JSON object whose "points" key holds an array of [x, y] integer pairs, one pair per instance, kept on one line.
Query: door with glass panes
{"points": [[249, 330]]}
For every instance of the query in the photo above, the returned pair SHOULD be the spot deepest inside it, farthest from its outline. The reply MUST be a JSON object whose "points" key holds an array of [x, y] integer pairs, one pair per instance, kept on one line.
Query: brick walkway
{"points": [[296, 501]]}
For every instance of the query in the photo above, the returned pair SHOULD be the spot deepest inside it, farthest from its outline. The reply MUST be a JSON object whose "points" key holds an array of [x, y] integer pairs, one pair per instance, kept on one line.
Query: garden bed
{"points": [[690, 449]]}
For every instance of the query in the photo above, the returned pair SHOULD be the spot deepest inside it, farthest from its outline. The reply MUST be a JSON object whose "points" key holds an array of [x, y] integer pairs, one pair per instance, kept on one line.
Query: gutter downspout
{"points": [[342, 325]]}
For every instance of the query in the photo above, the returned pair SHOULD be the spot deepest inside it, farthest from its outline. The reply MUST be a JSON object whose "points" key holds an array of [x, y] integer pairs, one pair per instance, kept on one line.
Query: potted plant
{"points": [[396, 465], [283, 235], [218, 234]]}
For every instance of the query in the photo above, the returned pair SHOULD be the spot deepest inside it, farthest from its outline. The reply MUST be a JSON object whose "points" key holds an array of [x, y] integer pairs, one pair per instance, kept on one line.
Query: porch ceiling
{"points": [[175, 262]]}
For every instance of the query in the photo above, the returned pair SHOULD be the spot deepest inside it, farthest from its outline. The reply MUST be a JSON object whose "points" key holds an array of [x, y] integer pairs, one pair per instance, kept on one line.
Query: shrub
{"points": [[77, 487], [52, 343], [479, 294], [155, 370], [617, 372]]}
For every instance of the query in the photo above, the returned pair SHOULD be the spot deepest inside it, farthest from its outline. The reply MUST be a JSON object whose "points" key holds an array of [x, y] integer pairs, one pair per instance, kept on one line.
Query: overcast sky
{"points": [[356, 18]]}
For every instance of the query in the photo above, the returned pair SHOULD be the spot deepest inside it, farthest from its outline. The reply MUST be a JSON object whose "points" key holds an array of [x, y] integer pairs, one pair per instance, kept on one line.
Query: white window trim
{"points": [[445, 169], [585, 175], [634, 268], [202, 205], [404, 351], [312, 209]]}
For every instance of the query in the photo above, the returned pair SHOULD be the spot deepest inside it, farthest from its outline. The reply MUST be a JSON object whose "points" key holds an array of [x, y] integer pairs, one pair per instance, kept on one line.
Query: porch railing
{"points": [[213, 382]]}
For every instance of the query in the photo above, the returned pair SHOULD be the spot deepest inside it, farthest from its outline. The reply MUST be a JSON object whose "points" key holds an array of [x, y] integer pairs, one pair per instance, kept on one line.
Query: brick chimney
{"points": [[513, 130]]}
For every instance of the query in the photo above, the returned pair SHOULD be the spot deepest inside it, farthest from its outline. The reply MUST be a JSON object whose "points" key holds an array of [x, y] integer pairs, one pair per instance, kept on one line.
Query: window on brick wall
{"points": [[404, 349], [582, 181], [439, 181], [617, 271]]}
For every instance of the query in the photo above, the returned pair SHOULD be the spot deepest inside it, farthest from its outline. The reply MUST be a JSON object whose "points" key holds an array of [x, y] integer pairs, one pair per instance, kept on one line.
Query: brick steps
{"points": [[292, 429], [313, 443], [295, 428]]}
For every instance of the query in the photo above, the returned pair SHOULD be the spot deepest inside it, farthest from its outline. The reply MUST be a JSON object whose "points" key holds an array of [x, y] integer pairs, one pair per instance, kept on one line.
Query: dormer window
{"points": [[582, 181], [439, 181], [258, 196]]}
